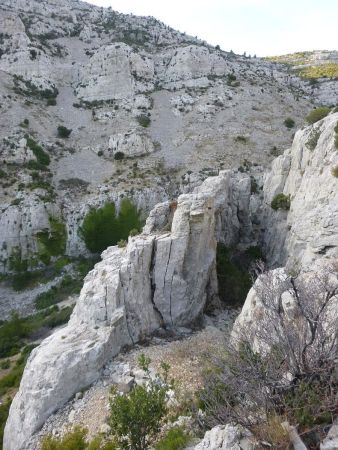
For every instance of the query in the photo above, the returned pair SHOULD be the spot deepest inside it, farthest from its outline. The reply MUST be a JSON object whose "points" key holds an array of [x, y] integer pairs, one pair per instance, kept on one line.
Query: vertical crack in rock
{"points": [[126, 310], [171, 285], [165, 277], [153, 284], [105, 304]]}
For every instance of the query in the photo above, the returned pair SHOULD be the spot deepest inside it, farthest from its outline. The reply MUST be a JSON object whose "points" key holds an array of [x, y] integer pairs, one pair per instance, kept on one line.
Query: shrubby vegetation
{"points": [[336, 136], [329, 70], [334, 171], [233, 273], [317, 114], [289, 123], [118, 156], [136, 417], [135, 420], [143, 120], [102, 227], [56, 294], [41, 156], [52, 242], [4, 410], [175, 439], [13, 378], [294, 379], [17, 331], [63, 132], [76, 440], [280, 201], [312, 141]]}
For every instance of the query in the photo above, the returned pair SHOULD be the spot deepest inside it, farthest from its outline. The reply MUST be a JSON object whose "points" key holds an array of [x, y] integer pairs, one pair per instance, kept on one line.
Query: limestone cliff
{"points": [[309, 229], [161, 279], [172, 105]]}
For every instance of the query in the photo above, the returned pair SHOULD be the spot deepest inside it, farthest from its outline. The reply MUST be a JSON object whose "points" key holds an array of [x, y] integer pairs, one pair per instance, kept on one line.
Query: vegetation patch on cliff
{"points": [[102, 227], [52, 242], [233, 273]]}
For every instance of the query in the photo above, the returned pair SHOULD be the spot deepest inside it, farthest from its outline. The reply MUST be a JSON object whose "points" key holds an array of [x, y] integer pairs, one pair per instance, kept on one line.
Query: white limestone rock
{"points": [[130, 144], [30, 214], [331, 440], [115, 72], [227, 437], [157, 280], [310, 229]]}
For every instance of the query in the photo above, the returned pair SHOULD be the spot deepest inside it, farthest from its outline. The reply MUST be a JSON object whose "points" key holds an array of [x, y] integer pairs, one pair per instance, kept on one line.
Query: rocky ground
{"points": [[184, 349]]}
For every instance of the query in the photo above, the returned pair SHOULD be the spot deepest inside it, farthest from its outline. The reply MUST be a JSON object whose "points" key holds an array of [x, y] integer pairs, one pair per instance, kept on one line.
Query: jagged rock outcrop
{"points": [[227, 437], [130, 144], [273, 306], [159, 279], [309, 230]]}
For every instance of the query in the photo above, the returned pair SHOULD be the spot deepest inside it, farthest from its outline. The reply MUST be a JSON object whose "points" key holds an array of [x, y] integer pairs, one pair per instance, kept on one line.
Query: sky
{"points": [[261, 27]]}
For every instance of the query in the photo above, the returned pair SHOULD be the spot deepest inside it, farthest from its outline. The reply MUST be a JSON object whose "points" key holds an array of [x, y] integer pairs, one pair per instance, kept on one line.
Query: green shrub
{"points": [[24, 123], [11, 334], [24, 280], [52, 242], [4, 410], [143, 120], [312, 141], [63, 132], [317, 114], [280, 201], [13, 378], [58, 318], [14, 332], [233, 277], [6, 364], [102, 227], [336, 141], [76, 440], [334, 171], [41, 156], [35, 165], [135, 418], [122, 243], [118, 156], [51, 101], [134, 232], [175, 439], [241, 139], [289, 123], [56, 294]]}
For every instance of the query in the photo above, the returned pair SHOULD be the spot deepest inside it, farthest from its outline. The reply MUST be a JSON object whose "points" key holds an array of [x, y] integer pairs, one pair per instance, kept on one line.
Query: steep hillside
{"points": [[165, 277], [175, 108], [319, 71]]}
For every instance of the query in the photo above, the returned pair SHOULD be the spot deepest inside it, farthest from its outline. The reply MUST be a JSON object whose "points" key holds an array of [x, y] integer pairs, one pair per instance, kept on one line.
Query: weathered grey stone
{"points": [[331, 440], [309, 231], [158, 279], [227, 437]]}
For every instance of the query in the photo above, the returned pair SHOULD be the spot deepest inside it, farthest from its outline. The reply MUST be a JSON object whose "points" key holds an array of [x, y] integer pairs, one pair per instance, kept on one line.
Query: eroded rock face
{"points": [[159, 279], [227, 437], [309, 230], [262, 318], [115, 72], [130, 144]]}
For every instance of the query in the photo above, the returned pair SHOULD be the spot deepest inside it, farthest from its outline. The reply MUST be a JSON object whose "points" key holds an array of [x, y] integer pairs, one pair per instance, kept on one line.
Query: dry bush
{"points": [[285, 364]]}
